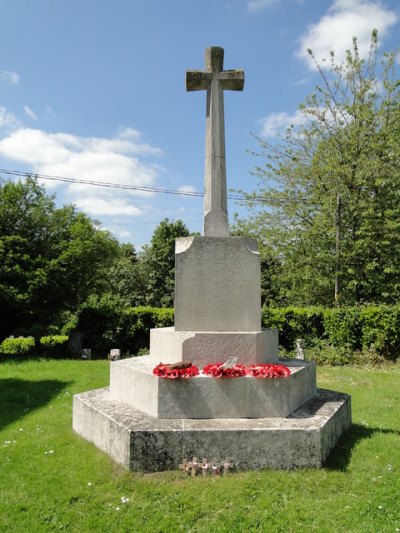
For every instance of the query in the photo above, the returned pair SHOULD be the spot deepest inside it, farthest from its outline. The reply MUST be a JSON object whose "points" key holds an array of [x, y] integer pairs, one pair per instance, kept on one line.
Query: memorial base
{"points": [[142, 443], [132, 382]]}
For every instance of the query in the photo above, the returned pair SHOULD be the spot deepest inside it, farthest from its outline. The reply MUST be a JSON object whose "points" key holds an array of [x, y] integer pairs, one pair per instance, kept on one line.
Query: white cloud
{"points": [[30, 113], [344, 20], [10, 76], [256, 5], [95, 206], [121, 233], [275, 123], [7, 119], [111, 160]]}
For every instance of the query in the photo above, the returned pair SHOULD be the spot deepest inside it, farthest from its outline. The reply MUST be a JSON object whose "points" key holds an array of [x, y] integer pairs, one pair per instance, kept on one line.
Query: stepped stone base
{"points": [[168, 345], [143, 443], [132, 382]]}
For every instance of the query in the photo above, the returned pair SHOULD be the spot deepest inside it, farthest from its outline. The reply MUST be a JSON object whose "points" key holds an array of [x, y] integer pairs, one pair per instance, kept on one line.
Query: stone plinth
{"points": [[143, 443], [202, 347], [217, 284], [132, 382]]}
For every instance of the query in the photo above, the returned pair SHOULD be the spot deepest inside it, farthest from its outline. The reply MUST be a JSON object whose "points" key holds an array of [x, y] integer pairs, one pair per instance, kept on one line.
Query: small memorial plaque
{"points": [[230, 363]]}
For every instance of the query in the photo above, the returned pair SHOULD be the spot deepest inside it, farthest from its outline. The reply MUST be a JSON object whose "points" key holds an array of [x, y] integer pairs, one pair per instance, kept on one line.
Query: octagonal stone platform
{"points": [[132, 382], [143, 443]]}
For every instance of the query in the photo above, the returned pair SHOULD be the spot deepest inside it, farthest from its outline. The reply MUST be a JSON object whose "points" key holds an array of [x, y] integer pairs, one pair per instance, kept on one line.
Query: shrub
{"points": [[294, 323], [343, 327], [381, 329], [136, 324], [22, 346], [107, 323], [324, 353], [99, 319], [54, 346]]}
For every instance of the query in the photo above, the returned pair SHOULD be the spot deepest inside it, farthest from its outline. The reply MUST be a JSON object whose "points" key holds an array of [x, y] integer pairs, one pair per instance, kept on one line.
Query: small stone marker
{"points": [[115, 354], [300, 349], [86, 353], [215, 80]]}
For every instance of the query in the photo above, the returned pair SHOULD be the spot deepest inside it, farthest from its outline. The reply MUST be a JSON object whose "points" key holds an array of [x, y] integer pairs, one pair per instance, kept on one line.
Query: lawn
{"points": [[52, 480]]}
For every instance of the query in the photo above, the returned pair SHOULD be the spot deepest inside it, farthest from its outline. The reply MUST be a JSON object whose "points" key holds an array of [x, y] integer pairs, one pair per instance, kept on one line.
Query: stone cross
{"points": [[214, 79]]}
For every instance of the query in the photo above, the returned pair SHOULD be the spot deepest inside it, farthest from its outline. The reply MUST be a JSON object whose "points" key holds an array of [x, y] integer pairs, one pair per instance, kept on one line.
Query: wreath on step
{"points": [[219, 370]]}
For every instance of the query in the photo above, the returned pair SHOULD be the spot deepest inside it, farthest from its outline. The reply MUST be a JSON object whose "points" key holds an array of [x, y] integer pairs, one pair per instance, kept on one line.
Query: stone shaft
{"points": [[217, 284], [215, 80]]}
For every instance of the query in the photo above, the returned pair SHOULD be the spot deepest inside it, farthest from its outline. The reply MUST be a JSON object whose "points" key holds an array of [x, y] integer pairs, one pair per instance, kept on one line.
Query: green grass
{"points": [[78, 488]]}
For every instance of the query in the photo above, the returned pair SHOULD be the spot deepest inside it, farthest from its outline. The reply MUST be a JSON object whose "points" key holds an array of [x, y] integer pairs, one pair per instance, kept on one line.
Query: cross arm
{"points": [[232, 80], [197, 80]]}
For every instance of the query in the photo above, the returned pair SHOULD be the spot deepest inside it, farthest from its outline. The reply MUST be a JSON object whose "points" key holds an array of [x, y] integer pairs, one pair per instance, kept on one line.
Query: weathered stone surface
{"points": [[217, 284], [132, 381], [201, 347], [143, 443]]}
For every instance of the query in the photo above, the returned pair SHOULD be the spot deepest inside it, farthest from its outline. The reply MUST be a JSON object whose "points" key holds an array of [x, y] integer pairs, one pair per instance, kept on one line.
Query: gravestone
{"points": [[115, 354], [86, 353], [148, 423], [75, 341]]}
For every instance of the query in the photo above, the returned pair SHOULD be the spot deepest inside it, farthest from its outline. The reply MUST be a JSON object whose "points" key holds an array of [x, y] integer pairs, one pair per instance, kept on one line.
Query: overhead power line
{"points": [[141, 188], [100, 183]]}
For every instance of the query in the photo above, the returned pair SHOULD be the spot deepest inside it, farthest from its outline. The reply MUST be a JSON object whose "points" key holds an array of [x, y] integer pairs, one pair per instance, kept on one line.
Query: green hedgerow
{"points": [[54, 346], [22, 346]]}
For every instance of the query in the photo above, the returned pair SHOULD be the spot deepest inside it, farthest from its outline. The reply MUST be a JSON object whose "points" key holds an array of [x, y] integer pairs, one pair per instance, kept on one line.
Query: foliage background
{"points": [[326, 209]]}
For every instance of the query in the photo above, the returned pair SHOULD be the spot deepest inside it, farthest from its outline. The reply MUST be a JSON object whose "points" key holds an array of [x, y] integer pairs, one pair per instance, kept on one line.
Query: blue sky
{"points": [[95, 90]]}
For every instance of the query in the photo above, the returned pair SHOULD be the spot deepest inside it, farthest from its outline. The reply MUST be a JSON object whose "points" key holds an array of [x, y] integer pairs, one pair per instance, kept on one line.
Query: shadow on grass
{"points": [[341, 454], [19, 397]]}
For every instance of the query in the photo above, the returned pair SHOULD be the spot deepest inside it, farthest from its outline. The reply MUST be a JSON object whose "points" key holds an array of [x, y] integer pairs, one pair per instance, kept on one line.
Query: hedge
{"points": [[54, 346], [20, 346], [363, 328], [337, 335], [107, 324], [294, 323]]}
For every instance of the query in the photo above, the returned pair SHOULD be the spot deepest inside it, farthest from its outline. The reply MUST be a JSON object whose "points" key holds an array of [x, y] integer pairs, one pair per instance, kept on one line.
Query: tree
{"points": [[50, 259], [158, 263], [128, 277], [328, 207]]}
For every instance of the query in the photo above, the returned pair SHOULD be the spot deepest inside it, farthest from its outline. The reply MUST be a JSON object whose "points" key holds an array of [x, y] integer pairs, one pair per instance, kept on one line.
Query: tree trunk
{"points": [[338, 265]]}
